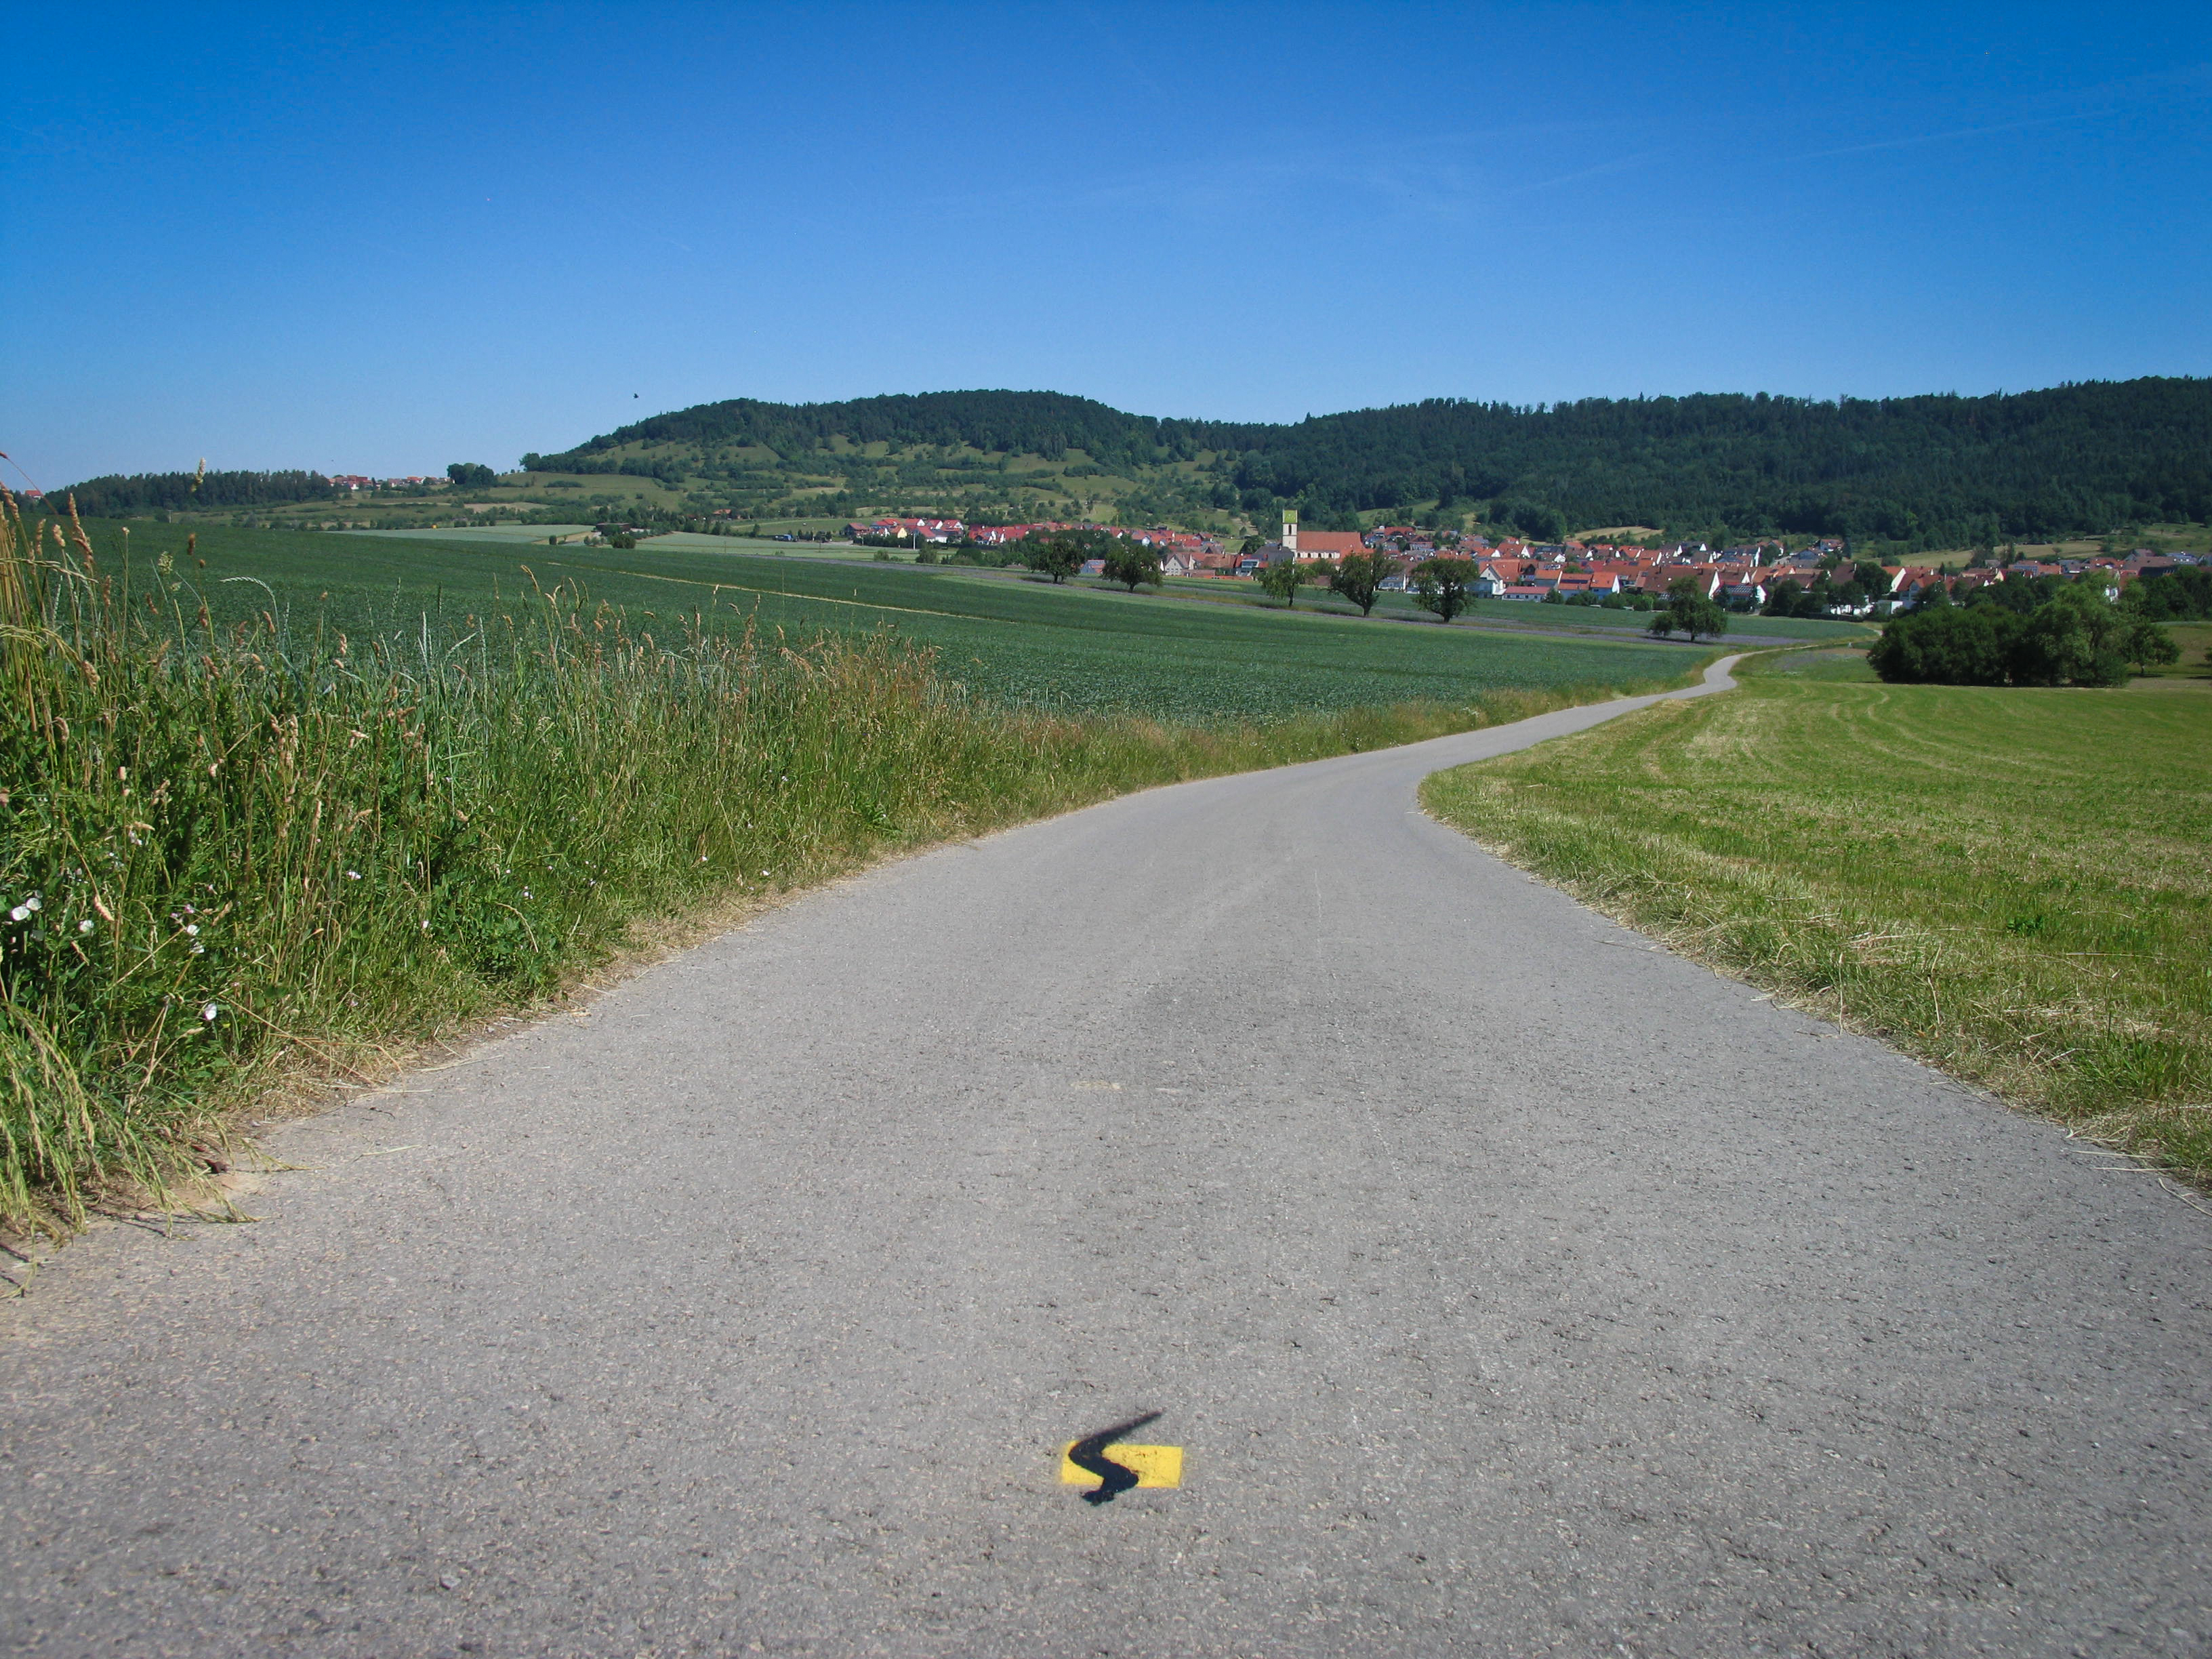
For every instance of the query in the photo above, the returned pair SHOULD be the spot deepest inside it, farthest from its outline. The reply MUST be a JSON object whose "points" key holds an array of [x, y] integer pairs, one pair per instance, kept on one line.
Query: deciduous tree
{"points": [[1133, 563], [1690, 609], [2148, 646], [1283, 578], [1440, 587], [1358, 577], [1057, 556]]}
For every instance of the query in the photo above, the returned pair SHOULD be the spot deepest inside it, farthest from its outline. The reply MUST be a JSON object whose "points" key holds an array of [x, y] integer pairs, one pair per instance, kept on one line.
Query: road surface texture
{"points": [[1512, 1287]]}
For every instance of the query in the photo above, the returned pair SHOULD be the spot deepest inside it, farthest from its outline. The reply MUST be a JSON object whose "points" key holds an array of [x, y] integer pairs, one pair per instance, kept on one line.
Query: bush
{"points": [[1950, 646], [2073, 638]]}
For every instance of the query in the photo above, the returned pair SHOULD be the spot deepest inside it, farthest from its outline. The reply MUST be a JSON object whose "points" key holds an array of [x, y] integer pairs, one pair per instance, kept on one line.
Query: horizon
{"points": [[380, 243], [1196, 420]]}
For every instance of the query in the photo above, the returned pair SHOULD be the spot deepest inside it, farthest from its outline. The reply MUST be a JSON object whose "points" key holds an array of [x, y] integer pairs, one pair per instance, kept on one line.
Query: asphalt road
{"points": [[1510, 1288]]}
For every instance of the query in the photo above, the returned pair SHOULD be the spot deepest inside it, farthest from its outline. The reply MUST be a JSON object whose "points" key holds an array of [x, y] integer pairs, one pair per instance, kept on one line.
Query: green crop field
{"points": [[1018, 643], [1543, 618], [2009, 883]]}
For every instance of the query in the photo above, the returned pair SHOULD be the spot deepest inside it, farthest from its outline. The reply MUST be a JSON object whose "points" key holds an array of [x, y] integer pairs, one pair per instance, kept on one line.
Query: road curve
{"points": [[1511, 1286]]}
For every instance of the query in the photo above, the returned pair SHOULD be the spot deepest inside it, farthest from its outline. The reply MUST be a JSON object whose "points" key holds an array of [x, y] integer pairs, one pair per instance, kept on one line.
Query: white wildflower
{"points": [[85, 927], [209, 1011]]}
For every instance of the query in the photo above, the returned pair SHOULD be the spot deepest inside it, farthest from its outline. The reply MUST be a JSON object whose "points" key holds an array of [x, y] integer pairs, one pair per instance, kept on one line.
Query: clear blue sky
{"points": [[379, 239]]}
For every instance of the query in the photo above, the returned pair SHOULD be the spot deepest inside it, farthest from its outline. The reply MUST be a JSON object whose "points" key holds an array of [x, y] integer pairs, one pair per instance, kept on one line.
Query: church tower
{"points": [[1291, 531]]}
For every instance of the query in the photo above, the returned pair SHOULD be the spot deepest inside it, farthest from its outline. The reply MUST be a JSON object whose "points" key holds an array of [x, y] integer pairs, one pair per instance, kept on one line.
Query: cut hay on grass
{"points": [[2011, 883]]}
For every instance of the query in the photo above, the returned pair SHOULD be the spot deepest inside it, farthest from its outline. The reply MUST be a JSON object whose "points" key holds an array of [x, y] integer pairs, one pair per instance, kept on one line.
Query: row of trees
{"points": [[1441, 586], [1061, 554]]}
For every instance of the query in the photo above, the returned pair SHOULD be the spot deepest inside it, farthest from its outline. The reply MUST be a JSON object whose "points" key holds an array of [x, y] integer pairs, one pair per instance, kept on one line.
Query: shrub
{"points": [[1950, 646], [2073, 638]]}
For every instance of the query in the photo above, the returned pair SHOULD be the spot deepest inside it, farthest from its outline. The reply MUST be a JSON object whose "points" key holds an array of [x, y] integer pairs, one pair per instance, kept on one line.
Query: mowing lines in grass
{"points": [[2009, 883]]}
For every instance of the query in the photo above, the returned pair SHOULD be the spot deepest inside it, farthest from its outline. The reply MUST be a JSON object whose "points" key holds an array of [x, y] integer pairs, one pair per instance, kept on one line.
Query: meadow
{"points": [[1013, 643], [2010, 884], [274, 810]]}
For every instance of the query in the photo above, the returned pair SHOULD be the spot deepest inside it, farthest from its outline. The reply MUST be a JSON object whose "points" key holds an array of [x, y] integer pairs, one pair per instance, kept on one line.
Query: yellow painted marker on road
{"points": [[1153, 1466]]}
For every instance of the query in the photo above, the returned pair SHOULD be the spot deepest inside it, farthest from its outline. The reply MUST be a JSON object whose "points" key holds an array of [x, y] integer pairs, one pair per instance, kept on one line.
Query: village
{"points": [[1750, 576]]}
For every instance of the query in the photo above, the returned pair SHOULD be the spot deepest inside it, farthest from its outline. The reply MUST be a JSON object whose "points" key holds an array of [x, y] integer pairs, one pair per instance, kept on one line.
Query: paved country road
{"points": [[1510, 1287]]}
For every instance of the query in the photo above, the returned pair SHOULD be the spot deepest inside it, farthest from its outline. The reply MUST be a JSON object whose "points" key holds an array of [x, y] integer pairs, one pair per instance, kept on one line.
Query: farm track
{"points": [[1509, 1285]]}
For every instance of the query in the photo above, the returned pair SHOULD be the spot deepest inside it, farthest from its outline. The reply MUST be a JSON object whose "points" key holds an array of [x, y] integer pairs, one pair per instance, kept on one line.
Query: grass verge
{"points": [[2009, 883], [229, 857]]}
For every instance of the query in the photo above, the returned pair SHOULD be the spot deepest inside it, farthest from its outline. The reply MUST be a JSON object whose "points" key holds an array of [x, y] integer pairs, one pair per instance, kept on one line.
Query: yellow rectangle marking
{"points": [[1155, 1465]]}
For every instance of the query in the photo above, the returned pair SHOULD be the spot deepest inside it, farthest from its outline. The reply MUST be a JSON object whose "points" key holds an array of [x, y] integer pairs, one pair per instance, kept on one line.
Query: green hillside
{"points": [[1928, 471], [1902, 474]]}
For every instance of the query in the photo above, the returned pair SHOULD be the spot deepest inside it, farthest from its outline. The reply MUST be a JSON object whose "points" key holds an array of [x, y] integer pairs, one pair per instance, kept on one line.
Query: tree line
{"points": [[117, 496]]}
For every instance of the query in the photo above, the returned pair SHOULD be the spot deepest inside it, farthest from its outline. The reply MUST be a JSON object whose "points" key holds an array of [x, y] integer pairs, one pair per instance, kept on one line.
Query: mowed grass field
{"points": [[2011, 883], [1016, 644]]}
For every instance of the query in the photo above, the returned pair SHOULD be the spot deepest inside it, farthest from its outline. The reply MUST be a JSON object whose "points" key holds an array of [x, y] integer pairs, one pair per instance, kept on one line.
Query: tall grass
{"points": [[227, 852]]}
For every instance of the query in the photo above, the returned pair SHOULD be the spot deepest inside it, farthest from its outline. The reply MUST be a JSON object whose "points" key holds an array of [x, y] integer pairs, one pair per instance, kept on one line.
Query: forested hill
{"points": [[1912, 473], [1934, 470]]}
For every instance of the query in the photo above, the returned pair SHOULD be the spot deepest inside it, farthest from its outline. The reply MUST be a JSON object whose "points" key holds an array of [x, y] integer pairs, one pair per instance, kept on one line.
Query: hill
{"points": [[1911, 473], [1925, 472]]}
